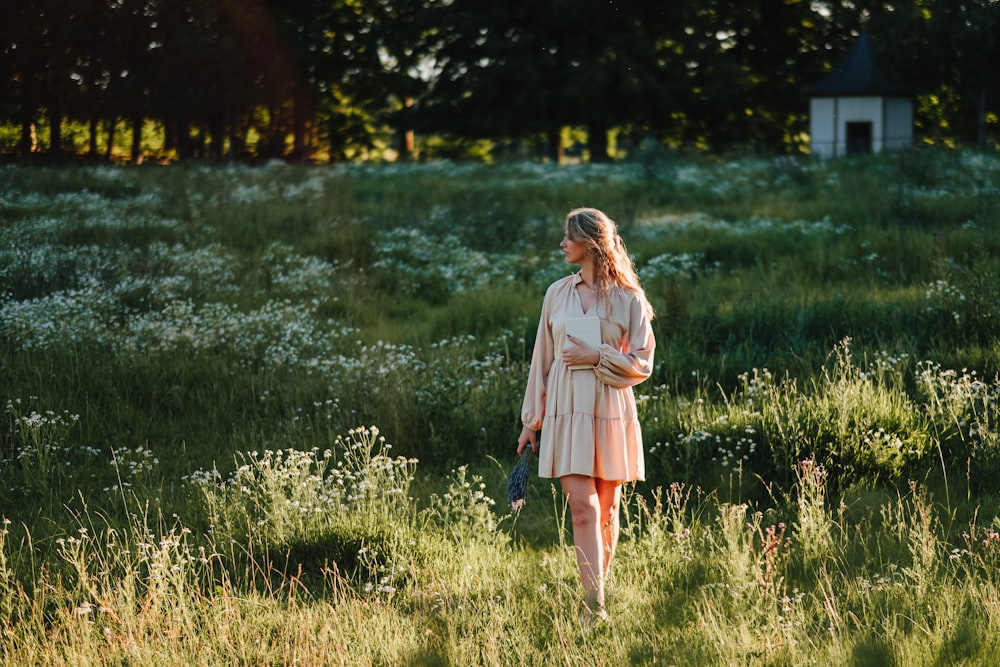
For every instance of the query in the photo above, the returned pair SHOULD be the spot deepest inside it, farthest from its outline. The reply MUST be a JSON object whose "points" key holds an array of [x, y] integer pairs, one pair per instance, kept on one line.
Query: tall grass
{"points": [[372, 580], [203, 370]]}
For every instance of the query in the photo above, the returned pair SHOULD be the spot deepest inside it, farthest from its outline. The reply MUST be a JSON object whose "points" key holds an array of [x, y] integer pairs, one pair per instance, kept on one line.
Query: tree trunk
{"points": [[136, 152], [404, 139], [217, 132], [169, 136], [597, 141], [337, 143], [554, 144], [404, 136], [92, 143], [274, 147], [300, 129], [200, 142], [55, 132], [29, 140], [112, 122], [981, 111], [185, 146], [237, 138]]}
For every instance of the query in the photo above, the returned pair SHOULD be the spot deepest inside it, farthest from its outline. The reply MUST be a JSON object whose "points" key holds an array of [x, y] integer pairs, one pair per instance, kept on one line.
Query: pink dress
{"points": [[588, 420]]}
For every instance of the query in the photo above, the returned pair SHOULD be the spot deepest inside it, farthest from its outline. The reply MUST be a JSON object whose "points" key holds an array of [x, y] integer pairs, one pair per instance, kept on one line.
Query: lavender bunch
{"points": [[517, 483]]}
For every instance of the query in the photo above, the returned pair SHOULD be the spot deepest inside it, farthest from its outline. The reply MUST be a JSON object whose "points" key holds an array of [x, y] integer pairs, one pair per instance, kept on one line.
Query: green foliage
{"points": [[336, 80], [187, 354], [718, 582], [861, 421], [342, 508], [464, 511], [256, 285]]}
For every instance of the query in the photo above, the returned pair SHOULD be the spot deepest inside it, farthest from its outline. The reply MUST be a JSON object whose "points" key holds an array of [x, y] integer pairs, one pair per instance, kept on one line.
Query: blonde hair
{"points": [[612, 265]]}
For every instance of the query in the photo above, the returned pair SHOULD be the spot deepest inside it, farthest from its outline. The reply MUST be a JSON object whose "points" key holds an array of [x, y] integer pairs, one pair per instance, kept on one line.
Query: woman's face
{"points": [[574, 251]]}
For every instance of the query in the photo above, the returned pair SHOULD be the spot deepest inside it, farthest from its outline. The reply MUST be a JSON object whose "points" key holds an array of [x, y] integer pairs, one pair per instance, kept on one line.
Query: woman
{"points": [[590, 435]]}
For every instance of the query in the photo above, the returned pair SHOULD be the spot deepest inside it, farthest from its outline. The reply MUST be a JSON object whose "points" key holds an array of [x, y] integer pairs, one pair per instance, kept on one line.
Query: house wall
{"points": [[891, 119], [822, 126], [898, 123]]}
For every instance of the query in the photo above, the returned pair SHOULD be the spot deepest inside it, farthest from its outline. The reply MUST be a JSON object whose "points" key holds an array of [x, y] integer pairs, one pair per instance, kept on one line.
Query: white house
{"points": [[853, 111]]}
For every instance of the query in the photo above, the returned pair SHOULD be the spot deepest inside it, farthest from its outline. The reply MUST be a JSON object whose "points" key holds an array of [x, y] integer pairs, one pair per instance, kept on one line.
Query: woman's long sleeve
{"points": [[533, 409], [635, 363]]}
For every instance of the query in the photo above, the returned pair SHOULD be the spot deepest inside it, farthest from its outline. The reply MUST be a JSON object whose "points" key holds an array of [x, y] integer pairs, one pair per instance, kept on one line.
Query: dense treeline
{"points": [[343, 79]]}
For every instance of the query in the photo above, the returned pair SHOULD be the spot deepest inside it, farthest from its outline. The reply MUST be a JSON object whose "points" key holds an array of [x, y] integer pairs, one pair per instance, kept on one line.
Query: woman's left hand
{"points": [[580, 353]]}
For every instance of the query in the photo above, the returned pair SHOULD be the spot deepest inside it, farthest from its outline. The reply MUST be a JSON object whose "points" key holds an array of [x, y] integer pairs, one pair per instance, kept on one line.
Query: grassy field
{"points": [[265, 416]]}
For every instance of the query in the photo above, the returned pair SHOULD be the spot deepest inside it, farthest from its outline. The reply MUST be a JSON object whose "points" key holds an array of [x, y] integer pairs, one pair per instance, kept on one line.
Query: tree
{"points": [[205, 69], [499, 69], [974, 30], [748, 66], [91, 69], [336, 49], [132, 41], [19, 76], [360, 74], [522, 68], [944, 50], [399, 36], [38, 56]]}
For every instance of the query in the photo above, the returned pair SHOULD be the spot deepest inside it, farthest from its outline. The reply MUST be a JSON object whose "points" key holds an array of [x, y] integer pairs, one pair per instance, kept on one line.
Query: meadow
{"points": [[264, 416]]}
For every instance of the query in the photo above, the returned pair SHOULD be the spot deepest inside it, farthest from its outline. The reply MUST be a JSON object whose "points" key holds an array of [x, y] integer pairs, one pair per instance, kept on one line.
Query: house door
{"points": [[859, 138]]}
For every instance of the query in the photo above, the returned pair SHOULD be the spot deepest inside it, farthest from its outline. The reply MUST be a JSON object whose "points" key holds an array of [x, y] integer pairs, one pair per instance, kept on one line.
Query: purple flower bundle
{"points": [[517, 483]]}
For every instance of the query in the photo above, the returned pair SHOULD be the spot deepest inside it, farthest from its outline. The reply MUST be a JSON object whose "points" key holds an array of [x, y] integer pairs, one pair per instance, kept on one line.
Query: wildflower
{"points": [[517, 484]]}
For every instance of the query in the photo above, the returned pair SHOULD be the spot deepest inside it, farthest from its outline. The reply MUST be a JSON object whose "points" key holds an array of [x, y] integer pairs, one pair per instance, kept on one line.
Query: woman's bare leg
{"points": [[585, 508], [609, 495]]}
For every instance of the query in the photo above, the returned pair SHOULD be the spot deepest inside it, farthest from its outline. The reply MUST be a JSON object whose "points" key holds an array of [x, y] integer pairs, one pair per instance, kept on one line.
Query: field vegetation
{"points": [[265, 415]]}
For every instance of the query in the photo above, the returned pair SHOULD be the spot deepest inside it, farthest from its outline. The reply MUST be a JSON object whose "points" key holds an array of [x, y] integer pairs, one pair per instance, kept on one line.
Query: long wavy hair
{"points": [[612, 264]]}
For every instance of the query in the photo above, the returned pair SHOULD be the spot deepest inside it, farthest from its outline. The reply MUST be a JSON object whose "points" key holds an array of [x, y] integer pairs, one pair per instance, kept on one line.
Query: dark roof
{"points": [[856, 74]]}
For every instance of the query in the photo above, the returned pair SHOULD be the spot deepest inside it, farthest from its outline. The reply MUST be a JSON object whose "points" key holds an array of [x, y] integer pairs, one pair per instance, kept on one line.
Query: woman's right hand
{"points": [[527, 436]]}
